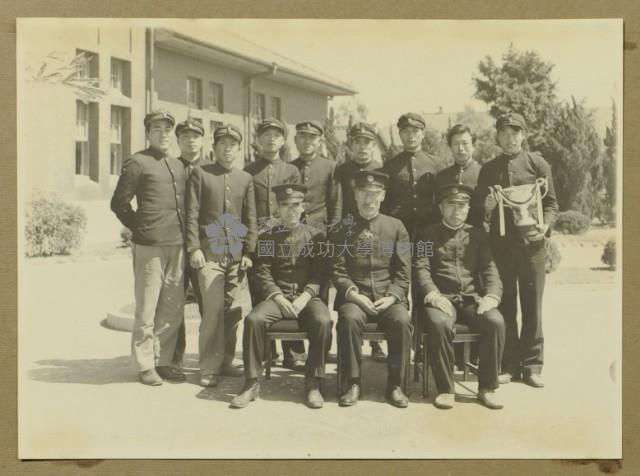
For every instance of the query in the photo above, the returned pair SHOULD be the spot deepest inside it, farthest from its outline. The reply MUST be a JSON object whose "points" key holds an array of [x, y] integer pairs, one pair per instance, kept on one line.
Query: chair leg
{"points": [[425, 367], [338, 373], [268, 357], [467, 359], [407, 374]]}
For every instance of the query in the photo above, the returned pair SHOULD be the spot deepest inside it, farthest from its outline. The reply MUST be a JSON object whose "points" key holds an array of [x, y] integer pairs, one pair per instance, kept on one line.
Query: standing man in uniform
{"points": [[520, 256], [363, 137], [324, 203], [157, 182], [288, 276], [221, 239], [372, 273], [452, 290], [269, 170], [412, 173], [465, 169], [189, 135]]}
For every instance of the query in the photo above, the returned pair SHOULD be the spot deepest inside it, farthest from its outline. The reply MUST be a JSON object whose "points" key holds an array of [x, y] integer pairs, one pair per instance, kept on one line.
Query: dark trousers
{"points": [[522, 269], [395, 321], [440, 329], [191, 278], [291, 350], [315, 319]]}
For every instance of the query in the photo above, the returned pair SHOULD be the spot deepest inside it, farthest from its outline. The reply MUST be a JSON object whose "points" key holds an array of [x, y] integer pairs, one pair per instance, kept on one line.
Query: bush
{"points": [[125, 237], [53, 227], [609, 253], [553, 257], [572, 222]]}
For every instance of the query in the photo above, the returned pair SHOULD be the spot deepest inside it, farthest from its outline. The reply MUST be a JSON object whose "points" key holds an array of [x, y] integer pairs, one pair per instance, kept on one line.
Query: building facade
{"points": [[74, 144]]}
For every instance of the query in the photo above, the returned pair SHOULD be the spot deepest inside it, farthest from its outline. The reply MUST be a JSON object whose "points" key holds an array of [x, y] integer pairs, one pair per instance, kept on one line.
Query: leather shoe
{"points": [[295, 365], [170, 373], [378, 354], [397, 398], [350, 397], [232, 371], [505, 378], [534, 380], [150, 377], [208, 380], [445, 401], [249, 393], [314, 398], [489, 398]]}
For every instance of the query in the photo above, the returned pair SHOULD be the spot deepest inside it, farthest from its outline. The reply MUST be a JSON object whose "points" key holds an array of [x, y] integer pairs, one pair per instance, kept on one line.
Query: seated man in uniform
{"points": [[457, 281], [371, 273], [288, 279]]}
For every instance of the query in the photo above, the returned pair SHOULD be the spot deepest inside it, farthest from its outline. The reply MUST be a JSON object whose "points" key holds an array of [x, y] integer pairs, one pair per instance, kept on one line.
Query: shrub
{"points": [[53, 227], [125, 237], [609, 253], [553, 257], [572, 222]]}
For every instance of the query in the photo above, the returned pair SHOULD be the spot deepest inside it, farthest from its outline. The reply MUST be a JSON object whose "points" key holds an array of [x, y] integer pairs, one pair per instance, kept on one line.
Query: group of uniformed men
{"points": [[406, 234]]}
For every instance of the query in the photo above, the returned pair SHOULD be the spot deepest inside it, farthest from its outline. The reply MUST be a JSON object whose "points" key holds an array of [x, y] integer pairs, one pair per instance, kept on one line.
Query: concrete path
{"points": [[80, 398]]}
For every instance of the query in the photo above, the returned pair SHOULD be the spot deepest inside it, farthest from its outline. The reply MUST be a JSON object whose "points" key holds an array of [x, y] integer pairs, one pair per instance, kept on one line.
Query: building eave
{"points": [[184, 44]]}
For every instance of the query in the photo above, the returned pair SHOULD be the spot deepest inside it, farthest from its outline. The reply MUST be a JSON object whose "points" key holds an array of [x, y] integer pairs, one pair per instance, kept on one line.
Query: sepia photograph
{"points": [[319, 239]]}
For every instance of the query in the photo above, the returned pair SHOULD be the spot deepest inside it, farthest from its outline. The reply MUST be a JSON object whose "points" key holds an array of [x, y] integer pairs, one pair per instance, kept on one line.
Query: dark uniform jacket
{"points": [[466, 174], [507, 171], [373, 256], [458, 263], [157, 181], [346, 173], [291, 262], [213, 192], [324, 196], [265, 175], [411, 190]]}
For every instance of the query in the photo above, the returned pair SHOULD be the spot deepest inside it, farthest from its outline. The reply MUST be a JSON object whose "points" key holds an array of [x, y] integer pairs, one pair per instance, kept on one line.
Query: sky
{"points": [[422, 65]]}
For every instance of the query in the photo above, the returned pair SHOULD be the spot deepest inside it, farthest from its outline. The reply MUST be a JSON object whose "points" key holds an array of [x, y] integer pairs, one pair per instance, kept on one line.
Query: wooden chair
{"points": [[463, 336], [371, 333]]}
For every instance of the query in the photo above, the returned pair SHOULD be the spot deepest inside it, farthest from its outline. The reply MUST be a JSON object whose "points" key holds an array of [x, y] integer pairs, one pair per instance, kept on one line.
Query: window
{"points": [[121, 76], [194, 93], [259, 106], [214, 102], [82, 138], [87, 64], [276, 107], [117, 120]]}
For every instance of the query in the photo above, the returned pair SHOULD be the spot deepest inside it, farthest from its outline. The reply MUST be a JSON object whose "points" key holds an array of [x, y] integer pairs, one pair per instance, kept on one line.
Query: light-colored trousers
{"points": [[159, 292], [219, 285]]}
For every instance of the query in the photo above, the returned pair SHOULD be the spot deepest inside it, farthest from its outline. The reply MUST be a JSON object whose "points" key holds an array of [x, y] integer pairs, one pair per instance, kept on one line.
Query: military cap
{"points": [[289, 191], [310, 127], [371, 180], [189, 125], [227, 130], [411, 119], [362, 129], [158, 115], [511, 119], [273, 124], [455, 191]]}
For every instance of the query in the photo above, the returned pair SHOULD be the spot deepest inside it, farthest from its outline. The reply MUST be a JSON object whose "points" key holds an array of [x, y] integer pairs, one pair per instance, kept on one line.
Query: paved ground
{"points": [[80, 398]]}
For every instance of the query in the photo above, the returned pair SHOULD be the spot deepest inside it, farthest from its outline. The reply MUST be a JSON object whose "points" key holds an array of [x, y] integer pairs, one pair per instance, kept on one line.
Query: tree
{"points": [[522, 84], [483, 127], [572, 149], [609, 166], [563, 132], [352, 110]]}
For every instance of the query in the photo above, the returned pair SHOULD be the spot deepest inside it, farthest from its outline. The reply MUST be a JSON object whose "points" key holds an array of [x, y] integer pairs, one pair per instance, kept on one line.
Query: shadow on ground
{"points": [[85, 371]]}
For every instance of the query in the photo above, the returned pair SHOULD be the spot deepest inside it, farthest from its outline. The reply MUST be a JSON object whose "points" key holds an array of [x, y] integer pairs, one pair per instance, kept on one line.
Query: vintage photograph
{"points": [[313, 239]]}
